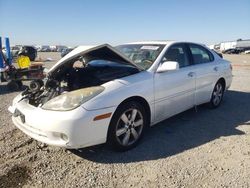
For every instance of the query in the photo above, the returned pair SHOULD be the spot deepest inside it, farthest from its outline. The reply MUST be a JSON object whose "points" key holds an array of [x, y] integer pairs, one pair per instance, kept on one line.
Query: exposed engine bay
{"points": [[79, 72]]}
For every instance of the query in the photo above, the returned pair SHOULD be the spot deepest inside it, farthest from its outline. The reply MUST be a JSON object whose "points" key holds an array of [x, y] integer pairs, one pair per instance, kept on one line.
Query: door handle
{"points": [[216, 69], [191, 74]]}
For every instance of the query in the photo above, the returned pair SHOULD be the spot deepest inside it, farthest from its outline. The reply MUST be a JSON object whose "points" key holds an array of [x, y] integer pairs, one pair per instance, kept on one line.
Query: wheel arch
{"points": [[143, 102], [223, 81]]}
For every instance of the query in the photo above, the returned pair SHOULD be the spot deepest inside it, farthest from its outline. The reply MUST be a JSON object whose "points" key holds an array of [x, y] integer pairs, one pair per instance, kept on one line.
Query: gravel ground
{"points": [[208, 148]]}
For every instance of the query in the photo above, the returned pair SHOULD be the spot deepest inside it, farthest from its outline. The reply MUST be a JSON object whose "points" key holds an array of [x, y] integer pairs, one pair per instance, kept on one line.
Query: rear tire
{"points": [[217, 95], [127, 126]]}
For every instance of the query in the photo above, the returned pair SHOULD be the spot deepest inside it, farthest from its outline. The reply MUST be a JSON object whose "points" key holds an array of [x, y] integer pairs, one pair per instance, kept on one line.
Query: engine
{"points": [[69, 79]]}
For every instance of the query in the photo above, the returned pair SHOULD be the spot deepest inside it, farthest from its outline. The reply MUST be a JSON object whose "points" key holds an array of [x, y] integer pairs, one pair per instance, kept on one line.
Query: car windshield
{"points": [[143, 55]]}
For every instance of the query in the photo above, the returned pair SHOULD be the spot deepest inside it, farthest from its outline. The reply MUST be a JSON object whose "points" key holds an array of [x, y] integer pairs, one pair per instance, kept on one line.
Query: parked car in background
{"points": [[45, 49], [14, 50], [65, 51], [231, 51], [29, 51], [247, 52], [98, 94], [60, 48]]}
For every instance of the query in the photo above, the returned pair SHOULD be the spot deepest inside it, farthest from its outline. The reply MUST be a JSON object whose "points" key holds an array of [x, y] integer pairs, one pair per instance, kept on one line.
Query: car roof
{"points": [[162, 42], [27, 46]]}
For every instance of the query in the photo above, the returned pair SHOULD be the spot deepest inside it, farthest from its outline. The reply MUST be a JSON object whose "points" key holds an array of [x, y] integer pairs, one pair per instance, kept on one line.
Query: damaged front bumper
{"points": [[70, 129]]}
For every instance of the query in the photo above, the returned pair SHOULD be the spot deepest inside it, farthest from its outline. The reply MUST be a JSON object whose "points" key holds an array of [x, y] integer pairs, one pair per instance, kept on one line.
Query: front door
{"points": [[174, 90]]}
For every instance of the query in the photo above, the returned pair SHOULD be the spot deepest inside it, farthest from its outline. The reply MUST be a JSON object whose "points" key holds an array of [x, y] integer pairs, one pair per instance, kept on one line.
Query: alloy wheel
{"points": [[129, 127], [217, 94]]}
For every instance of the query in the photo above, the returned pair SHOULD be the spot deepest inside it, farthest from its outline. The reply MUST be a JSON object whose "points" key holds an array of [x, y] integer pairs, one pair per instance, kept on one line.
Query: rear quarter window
{"points": [[200, 54]]}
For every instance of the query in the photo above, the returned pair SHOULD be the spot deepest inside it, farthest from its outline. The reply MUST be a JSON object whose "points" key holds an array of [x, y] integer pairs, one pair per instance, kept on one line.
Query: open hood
{"points": [[104, 51]]}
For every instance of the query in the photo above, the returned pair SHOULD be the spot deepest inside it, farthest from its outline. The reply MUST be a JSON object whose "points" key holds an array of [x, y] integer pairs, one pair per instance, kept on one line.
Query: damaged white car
{"points": [[98, 94]]}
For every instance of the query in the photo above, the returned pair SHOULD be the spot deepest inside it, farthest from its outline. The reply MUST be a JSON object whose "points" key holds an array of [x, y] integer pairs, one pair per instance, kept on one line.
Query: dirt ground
{"points": [[208, 148]]}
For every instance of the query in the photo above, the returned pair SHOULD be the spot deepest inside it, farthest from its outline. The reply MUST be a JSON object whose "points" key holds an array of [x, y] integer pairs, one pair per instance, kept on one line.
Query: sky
{"points": [[87, 22]]}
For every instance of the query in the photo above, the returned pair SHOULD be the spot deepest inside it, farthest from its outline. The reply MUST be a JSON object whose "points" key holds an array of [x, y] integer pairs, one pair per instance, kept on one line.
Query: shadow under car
{"points": [[182, 132]]}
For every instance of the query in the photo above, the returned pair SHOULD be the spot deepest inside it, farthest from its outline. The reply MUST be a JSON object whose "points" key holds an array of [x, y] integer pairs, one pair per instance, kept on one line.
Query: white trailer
{"points": [[227, 45]]}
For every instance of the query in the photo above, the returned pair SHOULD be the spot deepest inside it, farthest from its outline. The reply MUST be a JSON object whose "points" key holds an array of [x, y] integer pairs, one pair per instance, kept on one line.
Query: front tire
{"points": [[127, 126], [217, 95]]}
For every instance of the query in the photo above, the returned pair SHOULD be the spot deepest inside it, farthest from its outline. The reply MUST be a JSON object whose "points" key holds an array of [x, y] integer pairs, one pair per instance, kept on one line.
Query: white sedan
{"points": [[98, 94]]}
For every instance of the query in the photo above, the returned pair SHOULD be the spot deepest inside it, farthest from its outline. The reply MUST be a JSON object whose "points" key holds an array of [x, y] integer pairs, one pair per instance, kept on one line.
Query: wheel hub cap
{"points": [[129, 127], [217, 94]]}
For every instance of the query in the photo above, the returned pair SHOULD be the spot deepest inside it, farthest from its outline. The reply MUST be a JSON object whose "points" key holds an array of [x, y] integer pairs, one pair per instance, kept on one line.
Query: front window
{"points": [[177, 53], [142, 55]]}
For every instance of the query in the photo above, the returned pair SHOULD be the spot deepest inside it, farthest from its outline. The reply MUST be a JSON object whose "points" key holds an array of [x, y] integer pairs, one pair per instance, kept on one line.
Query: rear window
{"points": [[200, 54]]}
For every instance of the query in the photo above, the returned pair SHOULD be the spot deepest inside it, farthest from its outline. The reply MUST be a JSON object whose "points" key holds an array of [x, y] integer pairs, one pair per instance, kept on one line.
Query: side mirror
{"points": [[168, 66]]}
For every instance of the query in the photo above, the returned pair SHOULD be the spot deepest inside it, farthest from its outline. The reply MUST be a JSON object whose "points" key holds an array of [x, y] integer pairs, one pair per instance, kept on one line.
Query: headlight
{"points": [[73, 99]]}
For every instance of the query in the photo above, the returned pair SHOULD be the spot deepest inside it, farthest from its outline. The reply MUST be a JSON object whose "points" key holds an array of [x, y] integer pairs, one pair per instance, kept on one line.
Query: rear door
{"points": [[206, 69]]}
